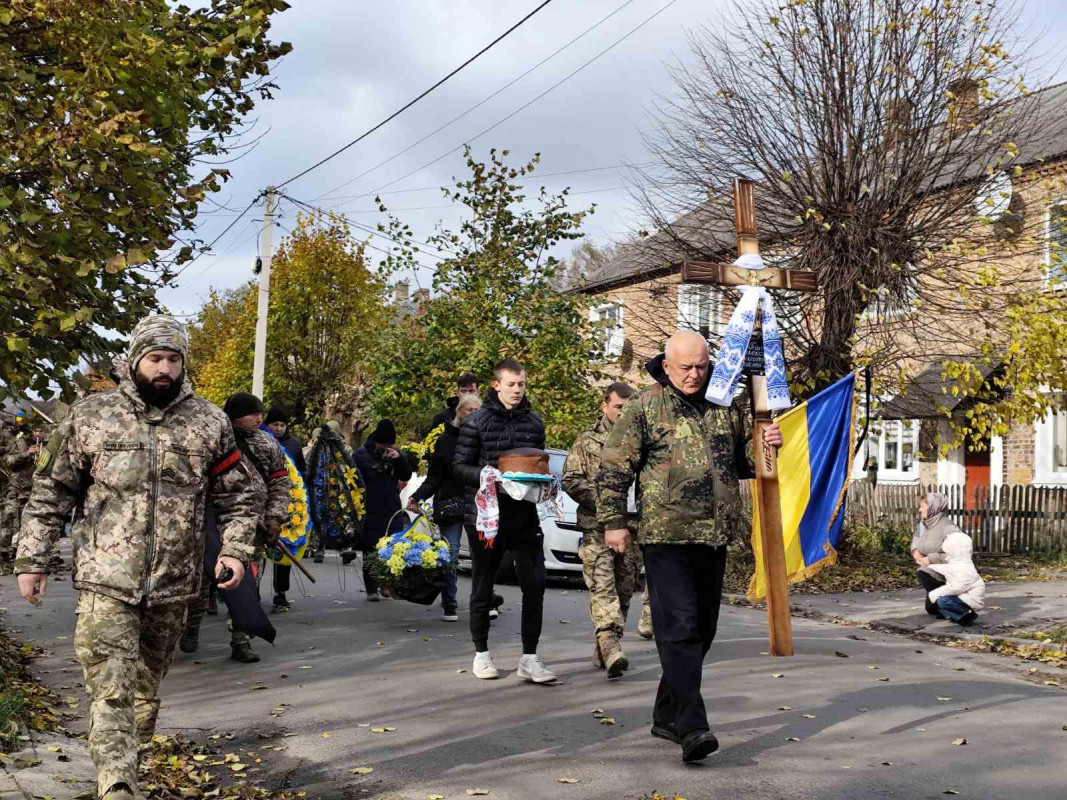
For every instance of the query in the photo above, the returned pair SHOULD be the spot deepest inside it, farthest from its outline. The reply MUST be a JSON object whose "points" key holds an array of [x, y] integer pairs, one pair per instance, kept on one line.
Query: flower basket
{"points": [[411, 564]]}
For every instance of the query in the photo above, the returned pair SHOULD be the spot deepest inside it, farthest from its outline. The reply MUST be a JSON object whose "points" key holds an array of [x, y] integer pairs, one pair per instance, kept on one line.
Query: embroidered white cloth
{"points": [[731, 356], [487, 504]]}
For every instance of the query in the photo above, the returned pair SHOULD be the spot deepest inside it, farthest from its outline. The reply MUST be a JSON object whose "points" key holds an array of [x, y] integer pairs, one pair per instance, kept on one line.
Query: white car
{"points": [[562, 536]]}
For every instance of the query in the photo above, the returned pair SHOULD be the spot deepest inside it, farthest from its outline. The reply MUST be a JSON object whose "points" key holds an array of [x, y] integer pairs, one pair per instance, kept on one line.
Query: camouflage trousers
{"points": [[612, 580], [125, 651]]}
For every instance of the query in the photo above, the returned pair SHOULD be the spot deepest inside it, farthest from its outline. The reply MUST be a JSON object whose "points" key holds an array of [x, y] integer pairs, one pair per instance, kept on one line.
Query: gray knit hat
{"points": [[158, 332]]}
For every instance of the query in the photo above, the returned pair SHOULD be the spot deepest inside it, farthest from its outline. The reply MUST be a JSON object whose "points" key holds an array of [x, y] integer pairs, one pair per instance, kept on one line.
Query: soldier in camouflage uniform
{"points": [[18, 458], [7, 525], [140, 462], [687, 456], [611, 578], [271, 486]]}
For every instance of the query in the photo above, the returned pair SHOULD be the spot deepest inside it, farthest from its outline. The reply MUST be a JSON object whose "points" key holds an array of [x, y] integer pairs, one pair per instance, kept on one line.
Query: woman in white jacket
{"points": [[963, 593]]}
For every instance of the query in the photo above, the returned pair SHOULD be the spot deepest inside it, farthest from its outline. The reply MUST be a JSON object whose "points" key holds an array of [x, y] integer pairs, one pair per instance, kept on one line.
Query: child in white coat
{"points": [[963, 593]]}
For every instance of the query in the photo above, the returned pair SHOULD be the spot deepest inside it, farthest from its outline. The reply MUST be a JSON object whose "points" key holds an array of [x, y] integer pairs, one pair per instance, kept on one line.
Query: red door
{"points": [[976, 472]]}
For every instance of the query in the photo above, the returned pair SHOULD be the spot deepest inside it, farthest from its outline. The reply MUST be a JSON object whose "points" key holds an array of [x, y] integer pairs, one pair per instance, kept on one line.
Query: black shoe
{"points": [[968, 619], [498, 601], [698, 745], [667, 731], [318, 557], [244, 653], [348, 556], [281, 601], [190, 641]]}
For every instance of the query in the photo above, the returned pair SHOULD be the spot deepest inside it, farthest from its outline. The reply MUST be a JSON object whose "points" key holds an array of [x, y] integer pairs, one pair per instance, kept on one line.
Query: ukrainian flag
{"points": [[814, 463]]}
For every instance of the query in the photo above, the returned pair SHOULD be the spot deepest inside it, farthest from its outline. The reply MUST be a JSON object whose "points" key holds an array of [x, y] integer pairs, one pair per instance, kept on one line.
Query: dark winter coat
{"points": [[446, 414], [441, 482], [295, 448], [381, 476], [488, 432]]}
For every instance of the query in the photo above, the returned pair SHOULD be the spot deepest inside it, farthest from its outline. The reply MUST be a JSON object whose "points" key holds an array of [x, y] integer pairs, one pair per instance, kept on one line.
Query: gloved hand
{"points": [[274, 532]]}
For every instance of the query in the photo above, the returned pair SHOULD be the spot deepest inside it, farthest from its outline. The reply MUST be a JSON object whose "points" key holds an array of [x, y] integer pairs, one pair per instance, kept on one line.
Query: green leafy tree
{"points": [[110, 115], [325, 317], [494, 298]]}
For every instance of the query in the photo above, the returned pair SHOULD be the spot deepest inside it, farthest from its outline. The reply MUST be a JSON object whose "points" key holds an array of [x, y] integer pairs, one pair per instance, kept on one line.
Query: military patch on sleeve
{"points": [[46, 461]]}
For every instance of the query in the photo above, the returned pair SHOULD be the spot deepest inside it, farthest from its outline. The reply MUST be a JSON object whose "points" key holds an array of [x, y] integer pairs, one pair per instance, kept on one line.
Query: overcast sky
{"points": [[354, 63]]}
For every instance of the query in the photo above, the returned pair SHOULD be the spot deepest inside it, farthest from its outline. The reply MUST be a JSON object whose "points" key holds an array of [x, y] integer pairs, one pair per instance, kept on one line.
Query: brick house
{"points": [[641, 301]]}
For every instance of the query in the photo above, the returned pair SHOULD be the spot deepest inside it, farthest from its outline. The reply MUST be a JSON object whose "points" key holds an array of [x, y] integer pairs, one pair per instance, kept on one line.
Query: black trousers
{"points": [[282, 573], [526, 546], [684, 588], [929, 581]]}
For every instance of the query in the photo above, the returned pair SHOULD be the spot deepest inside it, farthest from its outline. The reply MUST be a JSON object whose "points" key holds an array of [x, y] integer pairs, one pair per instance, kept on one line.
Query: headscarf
{"points": [[936, 503], [158, 332]]}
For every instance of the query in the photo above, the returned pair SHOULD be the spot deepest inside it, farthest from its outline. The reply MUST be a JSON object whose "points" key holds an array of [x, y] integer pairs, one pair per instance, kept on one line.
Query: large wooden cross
{"points": [[766, 494]]}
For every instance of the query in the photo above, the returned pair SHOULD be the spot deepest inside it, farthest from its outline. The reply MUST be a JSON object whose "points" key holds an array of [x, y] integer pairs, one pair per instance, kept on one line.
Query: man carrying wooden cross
{"points": [[687, 455]]}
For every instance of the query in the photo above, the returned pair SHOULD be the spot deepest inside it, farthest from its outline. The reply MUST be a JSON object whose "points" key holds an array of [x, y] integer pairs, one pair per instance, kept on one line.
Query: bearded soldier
{"points": [[610, 577], [140, 462]]}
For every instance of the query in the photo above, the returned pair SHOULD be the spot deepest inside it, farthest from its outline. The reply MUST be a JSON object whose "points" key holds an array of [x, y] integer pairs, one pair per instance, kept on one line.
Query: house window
{"points": [[609, 318], [1050, 444], [699, 309], [1056, 248], [894, 443]]}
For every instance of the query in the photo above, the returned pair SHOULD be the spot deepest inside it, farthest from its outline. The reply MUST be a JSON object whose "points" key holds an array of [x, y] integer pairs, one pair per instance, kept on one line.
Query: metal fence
{"points": [[1006, 520]]}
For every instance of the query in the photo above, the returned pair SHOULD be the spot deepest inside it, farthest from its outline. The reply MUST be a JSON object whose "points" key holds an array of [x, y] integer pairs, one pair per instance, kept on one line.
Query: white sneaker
{"points": [[532, 668], [493, 613], [450, 616], [484, 668]]}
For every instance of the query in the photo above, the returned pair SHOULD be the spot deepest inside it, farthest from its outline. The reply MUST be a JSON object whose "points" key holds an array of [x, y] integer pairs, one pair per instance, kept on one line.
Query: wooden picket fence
{"points": [[1010, 520], [1006, 520]]}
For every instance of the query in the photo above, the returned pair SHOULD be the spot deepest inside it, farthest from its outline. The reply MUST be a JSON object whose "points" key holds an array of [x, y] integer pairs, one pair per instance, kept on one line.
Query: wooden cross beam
{"points": [[766, 494]]}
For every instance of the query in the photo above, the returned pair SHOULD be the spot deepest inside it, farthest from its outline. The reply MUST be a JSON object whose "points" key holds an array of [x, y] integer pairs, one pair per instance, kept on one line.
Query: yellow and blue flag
{"points": [[814, 463]]}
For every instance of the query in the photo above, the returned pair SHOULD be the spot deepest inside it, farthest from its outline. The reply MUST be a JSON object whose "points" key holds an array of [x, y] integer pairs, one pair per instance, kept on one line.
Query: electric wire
{"points": [[479, 104], [410, 103]]}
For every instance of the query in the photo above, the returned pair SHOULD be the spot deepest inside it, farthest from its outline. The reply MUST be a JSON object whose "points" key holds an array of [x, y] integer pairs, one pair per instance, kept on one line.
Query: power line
{"points": [[480, 103], [410, 103], [214, 241], [529, 103]]}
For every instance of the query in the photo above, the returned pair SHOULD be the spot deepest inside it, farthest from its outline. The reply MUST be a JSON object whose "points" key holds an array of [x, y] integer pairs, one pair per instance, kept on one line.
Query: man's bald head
{"points": [[686, 361]]}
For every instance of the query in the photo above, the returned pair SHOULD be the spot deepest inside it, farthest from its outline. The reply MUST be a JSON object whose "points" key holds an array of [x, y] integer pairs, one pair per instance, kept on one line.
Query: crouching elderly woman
{"points": [[926, 546]]}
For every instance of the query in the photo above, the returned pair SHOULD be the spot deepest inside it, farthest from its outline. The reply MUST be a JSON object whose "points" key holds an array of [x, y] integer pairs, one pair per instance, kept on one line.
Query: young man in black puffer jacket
{"points": [[505, 422]]}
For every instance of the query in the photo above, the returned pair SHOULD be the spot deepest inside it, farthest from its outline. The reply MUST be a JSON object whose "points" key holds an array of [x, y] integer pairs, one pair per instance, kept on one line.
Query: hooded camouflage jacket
{"points": [[140, 477], [580, 474], [687, 455], [17, 461]]}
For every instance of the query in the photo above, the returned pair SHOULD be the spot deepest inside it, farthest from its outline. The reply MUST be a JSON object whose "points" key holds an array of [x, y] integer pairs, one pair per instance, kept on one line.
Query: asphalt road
{"points": [[879, 723]]}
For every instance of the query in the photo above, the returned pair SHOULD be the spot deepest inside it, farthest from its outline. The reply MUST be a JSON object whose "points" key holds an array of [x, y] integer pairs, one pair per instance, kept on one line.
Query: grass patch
{"points": [[12, 705], [856, 571], [25, 703], [1054, 636]]}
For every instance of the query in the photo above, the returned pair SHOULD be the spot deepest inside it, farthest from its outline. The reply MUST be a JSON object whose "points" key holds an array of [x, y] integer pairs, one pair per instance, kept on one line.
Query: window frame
{"points": [[1061, 283], [878, 431], [684, 305], [614, 338], [1045, 471]]}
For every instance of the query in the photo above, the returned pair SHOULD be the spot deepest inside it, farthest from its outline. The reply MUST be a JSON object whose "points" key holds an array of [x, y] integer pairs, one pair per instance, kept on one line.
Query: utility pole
{"points": [[266, 244]]}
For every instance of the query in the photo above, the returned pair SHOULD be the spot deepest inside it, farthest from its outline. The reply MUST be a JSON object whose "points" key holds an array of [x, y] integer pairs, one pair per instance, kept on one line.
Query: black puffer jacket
{"points": [[488, 432], [441, 482]]}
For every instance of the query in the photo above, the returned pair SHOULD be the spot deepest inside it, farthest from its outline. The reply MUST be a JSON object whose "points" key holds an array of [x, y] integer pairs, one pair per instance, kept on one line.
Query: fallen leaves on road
{"points": [[778, 675], [808, 716], [361, 770], [785, 708], [566, 780], [792, 739], [839, 654], [944, 699], [960, 742], [1025, 652], [607, 720], [477, 792]]}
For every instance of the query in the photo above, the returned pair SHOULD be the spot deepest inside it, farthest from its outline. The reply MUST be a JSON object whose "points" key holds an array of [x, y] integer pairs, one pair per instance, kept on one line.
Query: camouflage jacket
{"points": [[687, 455], [17, 461], [580, 475], [270, 474], [140, 478]]}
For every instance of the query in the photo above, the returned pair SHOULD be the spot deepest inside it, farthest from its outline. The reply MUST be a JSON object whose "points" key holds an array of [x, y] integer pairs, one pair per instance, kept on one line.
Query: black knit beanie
{"points": [[277, 414], [385, 433], [242, 404]]}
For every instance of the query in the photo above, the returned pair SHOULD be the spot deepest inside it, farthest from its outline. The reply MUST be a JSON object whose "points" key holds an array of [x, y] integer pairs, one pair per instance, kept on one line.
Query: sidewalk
{"points": [[1010, 607], [50, 766]]}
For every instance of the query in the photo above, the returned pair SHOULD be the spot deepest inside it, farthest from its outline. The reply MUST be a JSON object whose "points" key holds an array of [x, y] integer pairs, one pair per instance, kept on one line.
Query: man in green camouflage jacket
{"points": [[611, 578], [688, 457], [17, 458], [271, 486], [140, 462]]}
